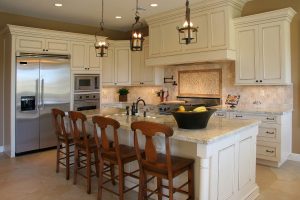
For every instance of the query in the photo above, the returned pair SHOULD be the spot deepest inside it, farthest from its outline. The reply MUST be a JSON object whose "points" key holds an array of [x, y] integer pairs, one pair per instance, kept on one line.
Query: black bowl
{"points": [[193, 120]]}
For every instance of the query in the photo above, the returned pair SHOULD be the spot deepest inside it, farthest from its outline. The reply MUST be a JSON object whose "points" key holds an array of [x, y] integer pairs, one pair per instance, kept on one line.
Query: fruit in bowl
{"points": [[193, 119]]}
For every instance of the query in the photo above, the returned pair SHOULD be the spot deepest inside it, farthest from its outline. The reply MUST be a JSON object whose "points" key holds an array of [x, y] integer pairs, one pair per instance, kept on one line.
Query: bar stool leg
{"points": [[112, 173], [121, 181], [159, 188], [171, 188], [100, 180], [76, 160], [191, 182], [96, 163], [88, 172], [57, 156], [67, 161]]}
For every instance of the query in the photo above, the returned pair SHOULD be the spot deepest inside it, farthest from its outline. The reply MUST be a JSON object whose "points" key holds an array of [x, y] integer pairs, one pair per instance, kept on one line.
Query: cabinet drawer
{"points": [[221, 114], [268, 133], [238, 115], [268, 151]]}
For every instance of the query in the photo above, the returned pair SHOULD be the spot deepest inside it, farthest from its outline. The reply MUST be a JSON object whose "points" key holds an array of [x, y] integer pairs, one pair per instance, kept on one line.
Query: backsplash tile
{"points": [[269, 96]]}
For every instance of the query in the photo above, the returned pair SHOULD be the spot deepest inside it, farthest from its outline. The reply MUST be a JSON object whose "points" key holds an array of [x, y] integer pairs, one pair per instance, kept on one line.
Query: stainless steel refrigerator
{"points": [[42, 83]]}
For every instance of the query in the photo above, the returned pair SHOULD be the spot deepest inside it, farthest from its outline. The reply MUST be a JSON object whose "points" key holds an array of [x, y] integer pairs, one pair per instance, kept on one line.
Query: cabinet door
{"points": [[148, 71], [155, 40], [32, 44], [200, 21], [57, 46], [123, 66], [218, 25], [93, 61], [271, 52], [247, 55], [170, 37], [108, 68], [136, 71], [79, 56]]}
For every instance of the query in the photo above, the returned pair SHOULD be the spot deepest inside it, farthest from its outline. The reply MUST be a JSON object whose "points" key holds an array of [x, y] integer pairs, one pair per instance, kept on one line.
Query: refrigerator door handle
{"points": [[36, 93], [42, 93]]}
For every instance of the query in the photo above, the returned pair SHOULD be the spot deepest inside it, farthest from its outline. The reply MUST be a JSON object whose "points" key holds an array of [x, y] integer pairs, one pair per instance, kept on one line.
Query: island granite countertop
{"points": [[215, 130]]}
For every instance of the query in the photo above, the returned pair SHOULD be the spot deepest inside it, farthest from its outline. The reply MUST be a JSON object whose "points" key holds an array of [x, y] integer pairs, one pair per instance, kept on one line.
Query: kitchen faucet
{"points": [[137, 104]]}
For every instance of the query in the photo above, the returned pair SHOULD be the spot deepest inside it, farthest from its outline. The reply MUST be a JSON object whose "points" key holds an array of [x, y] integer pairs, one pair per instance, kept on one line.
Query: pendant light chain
{"points": [[102, 13]]}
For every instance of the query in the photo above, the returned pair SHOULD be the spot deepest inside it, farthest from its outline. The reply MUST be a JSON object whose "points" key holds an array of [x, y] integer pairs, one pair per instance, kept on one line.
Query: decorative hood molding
{"points": [[216, 34]]}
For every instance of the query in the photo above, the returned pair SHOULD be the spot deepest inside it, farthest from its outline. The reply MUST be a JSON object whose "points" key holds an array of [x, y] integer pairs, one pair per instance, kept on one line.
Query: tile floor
{"points": [[32, 177]]}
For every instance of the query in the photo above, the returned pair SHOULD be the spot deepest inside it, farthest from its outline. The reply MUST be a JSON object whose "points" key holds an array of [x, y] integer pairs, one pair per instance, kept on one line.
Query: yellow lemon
{"points": [[200, 109], [181, 109]]}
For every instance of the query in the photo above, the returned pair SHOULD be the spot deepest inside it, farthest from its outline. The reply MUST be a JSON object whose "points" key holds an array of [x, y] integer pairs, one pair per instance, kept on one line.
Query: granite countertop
{"points": [[258, 109], [215, 130]]}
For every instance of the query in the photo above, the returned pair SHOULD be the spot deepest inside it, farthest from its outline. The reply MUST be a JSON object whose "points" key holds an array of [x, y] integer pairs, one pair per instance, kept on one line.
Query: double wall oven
{"points": [[86, 92]]}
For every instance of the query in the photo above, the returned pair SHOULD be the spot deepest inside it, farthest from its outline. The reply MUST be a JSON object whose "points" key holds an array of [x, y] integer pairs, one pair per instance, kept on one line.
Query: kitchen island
{"points": [[224, 153]]}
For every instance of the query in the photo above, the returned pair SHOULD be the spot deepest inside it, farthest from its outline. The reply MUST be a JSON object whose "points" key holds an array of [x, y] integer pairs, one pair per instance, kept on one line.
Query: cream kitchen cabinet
{"points": [[42, 45], [263, 48], [274, 140], [84, 57], [116, 69], [215, 39], [141, 74]]}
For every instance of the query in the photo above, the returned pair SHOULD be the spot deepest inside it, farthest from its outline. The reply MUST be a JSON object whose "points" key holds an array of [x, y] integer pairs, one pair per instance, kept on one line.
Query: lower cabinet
{"points": [[274, 140]]}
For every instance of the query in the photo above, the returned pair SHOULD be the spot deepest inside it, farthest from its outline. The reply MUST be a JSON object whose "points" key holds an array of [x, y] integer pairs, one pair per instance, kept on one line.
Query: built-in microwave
{"points": [[86, 82]]}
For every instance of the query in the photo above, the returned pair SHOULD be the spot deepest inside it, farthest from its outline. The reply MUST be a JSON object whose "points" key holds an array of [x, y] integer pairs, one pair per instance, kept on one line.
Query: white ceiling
{"points": [[88, 12]]}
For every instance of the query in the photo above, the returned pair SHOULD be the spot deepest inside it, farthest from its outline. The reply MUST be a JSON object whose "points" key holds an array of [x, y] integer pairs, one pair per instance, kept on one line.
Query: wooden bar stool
{"points": [[64, 141], [84, 145], [162, 166], [110, 155]]}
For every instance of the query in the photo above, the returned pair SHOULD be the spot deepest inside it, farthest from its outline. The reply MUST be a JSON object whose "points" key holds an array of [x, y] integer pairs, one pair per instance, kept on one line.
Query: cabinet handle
{"points": [[115, 83], [220, 115], [270, 118], [239, 116], [271, 133], [269, 151], [260, 81], [46, 49], [256, 81]]}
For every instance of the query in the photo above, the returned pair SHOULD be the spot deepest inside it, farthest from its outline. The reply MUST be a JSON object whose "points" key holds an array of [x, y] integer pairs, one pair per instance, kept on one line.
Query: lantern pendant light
{"points": [[101, 46], [188, 33], [136, 39]]}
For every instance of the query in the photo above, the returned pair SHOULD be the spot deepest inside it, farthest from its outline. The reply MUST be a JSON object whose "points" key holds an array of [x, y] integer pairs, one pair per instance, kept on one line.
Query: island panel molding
{"points": [[202, 83]]}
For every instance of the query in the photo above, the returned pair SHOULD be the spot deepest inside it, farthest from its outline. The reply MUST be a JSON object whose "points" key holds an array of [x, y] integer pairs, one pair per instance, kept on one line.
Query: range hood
{"points": [[215, 37]]}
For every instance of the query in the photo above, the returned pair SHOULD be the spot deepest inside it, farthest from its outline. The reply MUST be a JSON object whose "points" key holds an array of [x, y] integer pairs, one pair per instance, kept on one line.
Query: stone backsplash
{"points": [[110, 95], [269, 96]]}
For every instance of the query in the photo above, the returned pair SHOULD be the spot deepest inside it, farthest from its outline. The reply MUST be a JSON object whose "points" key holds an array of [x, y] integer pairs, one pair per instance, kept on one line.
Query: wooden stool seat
{"points": [[179, 165], [161, 166]]}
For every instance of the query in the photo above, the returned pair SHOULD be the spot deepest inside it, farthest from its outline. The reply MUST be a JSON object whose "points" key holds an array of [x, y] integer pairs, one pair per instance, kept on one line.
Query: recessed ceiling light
{"points": [[58, 4], [118, 17], [153, 4]]}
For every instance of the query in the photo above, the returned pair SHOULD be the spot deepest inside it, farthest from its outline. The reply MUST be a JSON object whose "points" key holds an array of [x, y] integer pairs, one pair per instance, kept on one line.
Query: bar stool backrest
{"points": [[103, 123], [78, 133], [58, 117], [150, 129]]}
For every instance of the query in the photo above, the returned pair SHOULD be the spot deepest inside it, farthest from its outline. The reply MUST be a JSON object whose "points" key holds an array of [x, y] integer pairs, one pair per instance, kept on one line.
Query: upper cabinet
{"points": [[263, 48], [141, 74], [215, 37], [116, 68], [41, 45], [84, 57]]}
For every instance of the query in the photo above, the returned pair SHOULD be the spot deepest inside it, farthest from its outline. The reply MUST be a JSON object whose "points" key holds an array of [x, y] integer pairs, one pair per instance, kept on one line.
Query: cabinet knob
{"points": [[43, 49], [256, 81], [260, 81]]}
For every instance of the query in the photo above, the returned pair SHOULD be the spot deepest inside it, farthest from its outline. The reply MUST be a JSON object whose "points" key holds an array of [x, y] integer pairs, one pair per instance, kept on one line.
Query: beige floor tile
{"points": [[33, 177]]}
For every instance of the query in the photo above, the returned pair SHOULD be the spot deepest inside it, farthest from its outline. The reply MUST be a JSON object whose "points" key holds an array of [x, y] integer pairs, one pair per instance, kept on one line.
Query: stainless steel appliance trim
{"points": [[36, 55]]}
